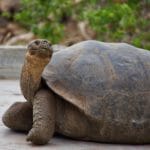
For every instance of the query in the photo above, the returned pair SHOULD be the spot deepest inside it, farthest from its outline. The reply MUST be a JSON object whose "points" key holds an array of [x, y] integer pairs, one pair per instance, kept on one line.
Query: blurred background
{"points": [[71, 21]]}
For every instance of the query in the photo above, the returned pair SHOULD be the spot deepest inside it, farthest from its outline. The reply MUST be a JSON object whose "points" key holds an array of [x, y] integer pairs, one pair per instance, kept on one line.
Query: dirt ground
{"points": [[10, 140]]}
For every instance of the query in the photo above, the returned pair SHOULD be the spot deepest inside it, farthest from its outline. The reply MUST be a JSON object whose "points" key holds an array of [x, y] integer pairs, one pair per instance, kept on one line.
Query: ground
{"points": [[10, 140]]}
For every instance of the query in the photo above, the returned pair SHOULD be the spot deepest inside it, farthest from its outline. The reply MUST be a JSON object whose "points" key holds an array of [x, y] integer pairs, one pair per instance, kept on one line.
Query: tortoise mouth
{"points": [[38, 50], [40, 46]]}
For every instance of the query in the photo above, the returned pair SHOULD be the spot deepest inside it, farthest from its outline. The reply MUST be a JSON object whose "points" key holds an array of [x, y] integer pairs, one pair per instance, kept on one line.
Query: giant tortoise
{"points": [[91, 91]]}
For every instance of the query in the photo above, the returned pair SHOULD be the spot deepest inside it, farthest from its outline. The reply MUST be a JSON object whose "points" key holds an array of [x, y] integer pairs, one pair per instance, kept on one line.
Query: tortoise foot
{"points": [[36, 137]]}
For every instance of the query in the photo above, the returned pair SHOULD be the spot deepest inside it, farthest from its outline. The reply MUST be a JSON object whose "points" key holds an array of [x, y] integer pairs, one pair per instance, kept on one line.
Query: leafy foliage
{"points": [[44, 17], [111, 21]]}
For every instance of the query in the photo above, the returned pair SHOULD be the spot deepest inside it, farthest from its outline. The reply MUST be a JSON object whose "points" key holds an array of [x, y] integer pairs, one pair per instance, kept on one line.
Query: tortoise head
{"points": [[38, 55], [40, 48]]}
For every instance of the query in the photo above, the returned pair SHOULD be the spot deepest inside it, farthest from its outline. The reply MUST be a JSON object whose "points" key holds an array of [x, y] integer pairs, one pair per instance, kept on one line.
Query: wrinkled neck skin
{"points": [[31, 75]]}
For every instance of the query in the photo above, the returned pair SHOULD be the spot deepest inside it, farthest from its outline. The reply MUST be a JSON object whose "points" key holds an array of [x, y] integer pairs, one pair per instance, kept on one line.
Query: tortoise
{"points": [[91, 91]]}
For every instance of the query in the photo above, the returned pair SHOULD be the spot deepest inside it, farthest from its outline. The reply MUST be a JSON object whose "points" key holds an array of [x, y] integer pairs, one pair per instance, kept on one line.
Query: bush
{"points": [[113, 22], [110, 21], [44, 17]]}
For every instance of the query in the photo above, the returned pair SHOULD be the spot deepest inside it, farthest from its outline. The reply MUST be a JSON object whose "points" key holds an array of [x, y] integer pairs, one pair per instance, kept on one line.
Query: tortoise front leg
{"points": [[44, 108], [18, 116]]}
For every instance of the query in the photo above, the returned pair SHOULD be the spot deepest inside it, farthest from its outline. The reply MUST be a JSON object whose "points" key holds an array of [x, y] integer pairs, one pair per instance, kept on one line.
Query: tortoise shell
{"points": [[108, 81]]}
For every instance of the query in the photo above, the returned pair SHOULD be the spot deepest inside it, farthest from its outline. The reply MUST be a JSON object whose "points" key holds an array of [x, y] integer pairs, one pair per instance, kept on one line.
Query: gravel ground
{"points": [[9, 140]]}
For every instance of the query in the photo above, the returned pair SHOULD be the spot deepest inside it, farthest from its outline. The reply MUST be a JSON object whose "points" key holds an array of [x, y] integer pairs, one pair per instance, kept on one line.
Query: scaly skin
{"points": [[37, 57], [19, 116], [44, 111], [31, 74]]}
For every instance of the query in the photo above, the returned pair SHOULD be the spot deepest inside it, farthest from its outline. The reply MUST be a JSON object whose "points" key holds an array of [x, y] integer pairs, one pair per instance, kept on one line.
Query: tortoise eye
{"points": [[37, 42], [44, 41], [45, 44]]}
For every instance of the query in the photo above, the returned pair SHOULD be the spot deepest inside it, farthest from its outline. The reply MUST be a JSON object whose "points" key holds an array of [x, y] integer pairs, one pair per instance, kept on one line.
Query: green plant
{"points": [[110, 21], [44, 17]]}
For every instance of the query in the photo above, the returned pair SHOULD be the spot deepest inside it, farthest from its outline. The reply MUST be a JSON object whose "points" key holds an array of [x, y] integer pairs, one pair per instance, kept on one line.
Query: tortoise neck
{"points": [[31, 75]]}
